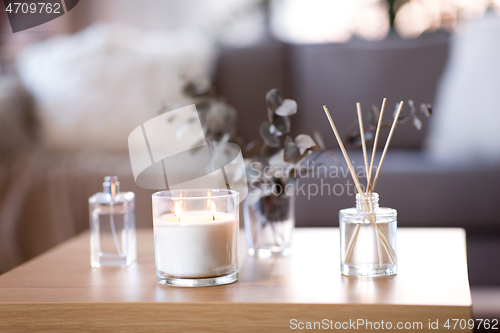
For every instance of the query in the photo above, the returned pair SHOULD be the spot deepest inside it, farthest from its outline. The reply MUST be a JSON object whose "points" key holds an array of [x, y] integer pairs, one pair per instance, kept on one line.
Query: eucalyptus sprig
{"points": [[275, 132], [353, 137], [278, 152], [218, 118]]}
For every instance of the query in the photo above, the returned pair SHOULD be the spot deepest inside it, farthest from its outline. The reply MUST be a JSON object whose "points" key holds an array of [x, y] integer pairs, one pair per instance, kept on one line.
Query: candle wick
{"points": [[213, 217]]}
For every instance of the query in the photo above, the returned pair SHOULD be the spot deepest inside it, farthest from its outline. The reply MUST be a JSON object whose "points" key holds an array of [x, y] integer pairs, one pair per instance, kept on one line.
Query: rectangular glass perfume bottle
{"points": [[112, 226]]}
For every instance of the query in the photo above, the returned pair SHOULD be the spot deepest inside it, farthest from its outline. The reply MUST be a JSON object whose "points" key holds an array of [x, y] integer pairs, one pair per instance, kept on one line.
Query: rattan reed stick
{"points": [[386, 146]]}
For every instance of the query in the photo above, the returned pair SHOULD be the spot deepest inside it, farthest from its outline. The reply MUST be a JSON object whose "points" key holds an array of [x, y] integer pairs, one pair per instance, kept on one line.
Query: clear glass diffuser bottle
{"points": [[112, 226], [368, 246]]}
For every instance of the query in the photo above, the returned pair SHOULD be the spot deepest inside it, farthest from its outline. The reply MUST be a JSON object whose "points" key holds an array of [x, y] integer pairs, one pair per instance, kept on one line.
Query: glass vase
{"points": [[368, 243], [269, 222]]}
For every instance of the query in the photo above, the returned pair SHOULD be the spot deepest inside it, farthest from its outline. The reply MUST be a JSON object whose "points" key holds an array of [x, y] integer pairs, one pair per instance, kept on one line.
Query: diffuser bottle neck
{"points": [[367, 204], [111, 185]]}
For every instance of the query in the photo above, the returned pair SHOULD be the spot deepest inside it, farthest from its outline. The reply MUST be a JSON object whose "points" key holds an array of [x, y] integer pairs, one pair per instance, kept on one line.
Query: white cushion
{"points": [[93, 88], [466, 123]]}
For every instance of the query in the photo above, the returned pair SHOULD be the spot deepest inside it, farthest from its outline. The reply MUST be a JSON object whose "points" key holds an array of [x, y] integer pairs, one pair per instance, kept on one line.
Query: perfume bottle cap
{"points": [[111, 185]]}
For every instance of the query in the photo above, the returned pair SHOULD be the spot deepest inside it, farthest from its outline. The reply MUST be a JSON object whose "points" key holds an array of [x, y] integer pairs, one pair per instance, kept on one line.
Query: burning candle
{"points": [[196, 238]]}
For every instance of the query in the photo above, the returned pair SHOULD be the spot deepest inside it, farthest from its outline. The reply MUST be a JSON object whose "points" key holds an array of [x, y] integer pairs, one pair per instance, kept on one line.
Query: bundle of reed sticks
{"points": [[382, 239]]}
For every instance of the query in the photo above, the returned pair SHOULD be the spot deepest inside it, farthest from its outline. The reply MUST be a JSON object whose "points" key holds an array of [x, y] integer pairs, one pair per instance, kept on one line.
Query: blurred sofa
{"points": [[427, 191], [43, 193]]}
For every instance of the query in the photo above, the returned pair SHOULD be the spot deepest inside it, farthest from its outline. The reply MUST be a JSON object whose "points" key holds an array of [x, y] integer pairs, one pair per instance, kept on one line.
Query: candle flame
{"points": [[178, 211], [212, 207]]}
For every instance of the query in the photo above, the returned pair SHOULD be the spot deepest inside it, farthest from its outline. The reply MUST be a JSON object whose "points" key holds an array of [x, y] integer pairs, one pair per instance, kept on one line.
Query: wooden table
{"points": [[59, 290]]}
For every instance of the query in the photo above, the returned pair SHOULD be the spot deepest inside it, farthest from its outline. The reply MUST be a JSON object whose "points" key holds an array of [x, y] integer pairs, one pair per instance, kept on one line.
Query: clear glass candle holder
{"points": [[368, 242], [196, 237]]}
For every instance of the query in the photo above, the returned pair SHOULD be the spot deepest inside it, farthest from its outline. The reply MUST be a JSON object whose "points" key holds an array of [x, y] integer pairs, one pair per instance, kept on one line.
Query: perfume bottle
{"points": [[368, 244], [112, 226]]}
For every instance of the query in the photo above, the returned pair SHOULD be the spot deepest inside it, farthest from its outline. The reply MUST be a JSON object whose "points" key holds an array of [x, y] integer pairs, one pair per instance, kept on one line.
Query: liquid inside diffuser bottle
{"points": [[112, 226], [368, 238]]}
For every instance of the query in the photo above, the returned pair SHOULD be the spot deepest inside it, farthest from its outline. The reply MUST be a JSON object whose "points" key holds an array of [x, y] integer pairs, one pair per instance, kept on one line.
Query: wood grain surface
{"points": [[60, 291]]}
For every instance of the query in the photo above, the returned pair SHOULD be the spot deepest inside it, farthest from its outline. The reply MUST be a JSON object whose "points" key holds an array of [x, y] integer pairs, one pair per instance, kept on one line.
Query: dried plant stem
{"points": [[352, 241], [354, 236], [363, 141], [386, 146], [383, 237], [365, 157], [379, 249], [344, 152], [389, 248], [375, 142]]}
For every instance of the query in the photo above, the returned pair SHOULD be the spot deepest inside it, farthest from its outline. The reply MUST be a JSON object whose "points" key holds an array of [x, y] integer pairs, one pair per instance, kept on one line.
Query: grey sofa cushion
{"points": [[17, 118], [425, 193], [339, 75], [336, 74]]}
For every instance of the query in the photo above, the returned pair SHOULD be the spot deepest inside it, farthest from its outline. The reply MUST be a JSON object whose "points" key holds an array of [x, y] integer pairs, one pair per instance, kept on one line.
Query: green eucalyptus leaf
{"points": [[319, 139], [412, 107], [291, 151], [403, 120], [308, 151], [417, 123], [198, 88], [287, 108], [353, 138], [373, 115], [276, 208], [203, 104], [280, 180], [274, 131], [219, 121], [269, 139], [282, 124], [190, 90], [304, 141], [274, 99], [426, 109]]}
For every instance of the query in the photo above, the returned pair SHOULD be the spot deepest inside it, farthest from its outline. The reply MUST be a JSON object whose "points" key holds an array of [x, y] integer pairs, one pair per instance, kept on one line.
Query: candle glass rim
{"points": [[172, 196]]}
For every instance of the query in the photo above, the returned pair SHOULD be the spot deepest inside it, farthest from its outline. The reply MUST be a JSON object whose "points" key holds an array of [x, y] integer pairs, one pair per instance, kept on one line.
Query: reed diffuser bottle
{"points": [[368, 232], [368, 238], [112, 226]]}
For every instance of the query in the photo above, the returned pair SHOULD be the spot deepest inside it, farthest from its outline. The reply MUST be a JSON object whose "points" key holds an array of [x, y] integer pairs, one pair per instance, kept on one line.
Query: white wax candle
{"points": [[196, 246]]}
